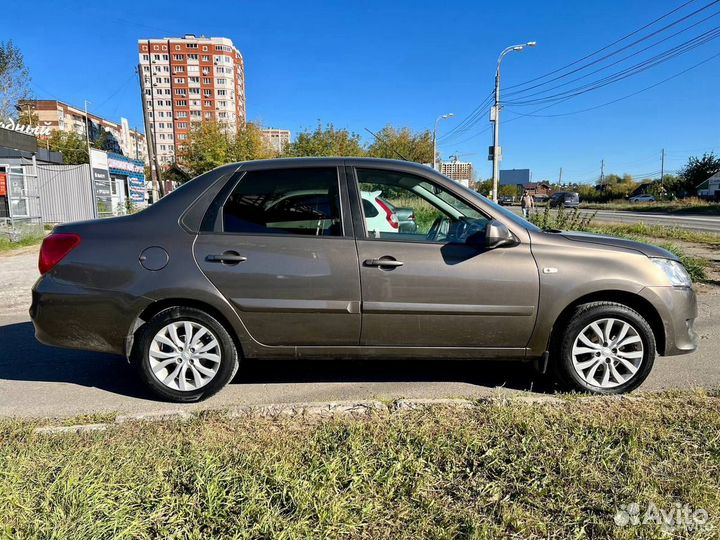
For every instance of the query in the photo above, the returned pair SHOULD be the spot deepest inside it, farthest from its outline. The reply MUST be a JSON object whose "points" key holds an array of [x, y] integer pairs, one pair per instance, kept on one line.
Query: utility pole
{"points": [[495, 117], [560, 177], [150, 139], [87, 128], [662, 166], [441, 117], [602, 174]]}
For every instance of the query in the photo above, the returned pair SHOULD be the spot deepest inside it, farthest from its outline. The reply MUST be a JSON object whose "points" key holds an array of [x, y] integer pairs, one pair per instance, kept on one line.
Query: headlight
{"points": [[674, 271]]}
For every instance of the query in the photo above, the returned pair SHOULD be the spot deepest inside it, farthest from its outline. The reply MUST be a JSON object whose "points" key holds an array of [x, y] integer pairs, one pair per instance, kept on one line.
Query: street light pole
{"points": [[441, 117], [495, 117]]}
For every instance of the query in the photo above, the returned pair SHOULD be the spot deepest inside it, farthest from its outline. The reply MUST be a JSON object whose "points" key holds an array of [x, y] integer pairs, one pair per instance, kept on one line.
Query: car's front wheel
{"points": [[183, 354], [606, 348]]}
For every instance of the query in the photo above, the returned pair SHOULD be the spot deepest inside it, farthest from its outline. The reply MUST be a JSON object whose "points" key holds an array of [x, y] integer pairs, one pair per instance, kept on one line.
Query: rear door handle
{"points": [[228, 257], [383, 262]]}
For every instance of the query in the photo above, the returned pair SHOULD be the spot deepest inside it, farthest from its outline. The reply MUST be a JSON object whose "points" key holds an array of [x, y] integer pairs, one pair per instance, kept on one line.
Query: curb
{"points": [[320, 410]]}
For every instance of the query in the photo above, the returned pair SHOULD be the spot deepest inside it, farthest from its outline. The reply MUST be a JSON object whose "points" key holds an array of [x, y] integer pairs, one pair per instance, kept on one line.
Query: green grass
{"points": [[519, 470], [7, 245], [662, 231], [691, 205]]}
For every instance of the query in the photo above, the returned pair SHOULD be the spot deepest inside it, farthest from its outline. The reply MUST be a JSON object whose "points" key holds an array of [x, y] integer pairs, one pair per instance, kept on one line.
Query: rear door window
{"points": [[302, 201]]}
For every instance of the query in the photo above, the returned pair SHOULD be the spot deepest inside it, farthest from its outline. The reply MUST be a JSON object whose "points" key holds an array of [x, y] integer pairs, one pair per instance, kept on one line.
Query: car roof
{"points": [[333, 162]]}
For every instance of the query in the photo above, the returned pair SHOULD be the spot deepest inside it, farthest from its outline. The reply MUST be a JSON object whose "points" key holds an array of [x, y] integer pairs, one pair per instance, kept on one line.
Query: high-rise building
{"points": [[187, 80], [58, 116], [460, 171], [278, 138]]}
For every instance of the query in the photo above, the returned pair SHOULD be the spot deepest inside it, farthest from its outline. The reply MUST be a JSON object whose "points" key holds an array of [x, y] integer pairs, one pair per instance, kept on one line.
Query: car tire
{"points": [[181, 369], [590, 356]]}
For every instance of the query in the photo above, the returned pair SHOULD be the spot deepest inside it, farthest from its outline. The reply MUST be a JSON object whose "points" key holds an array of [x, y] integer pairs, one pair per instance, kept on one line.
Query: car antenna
{"points": [[391, 147]]}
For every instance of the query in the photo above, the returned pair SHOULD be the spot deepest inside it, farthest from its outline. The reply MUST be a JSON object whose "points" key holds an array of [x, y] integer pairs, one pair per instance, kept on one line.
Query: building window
{"points": [[182, 125], [208, 103], [206, 80], [192, 46], [179, 80], [182, 136], [165, 57], [179, 57], [179, 69], [207, 93], [205, 58], [192, 56], [181, 114], [146, 57], [222, 92], [195, 91]]}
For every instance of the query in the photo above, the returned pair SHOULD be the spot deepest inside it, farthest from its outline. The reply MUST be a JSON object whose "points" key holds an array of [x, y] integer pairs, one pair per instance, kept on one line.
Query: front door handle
{"points": [[227, 257], [383, 262]]}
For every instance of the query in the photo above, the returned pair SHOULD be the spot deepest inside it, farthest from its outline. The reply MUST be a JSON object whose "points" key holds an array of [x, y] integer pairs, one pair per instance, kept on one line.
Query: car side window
{"points": [[407, 208], [302, 201]]}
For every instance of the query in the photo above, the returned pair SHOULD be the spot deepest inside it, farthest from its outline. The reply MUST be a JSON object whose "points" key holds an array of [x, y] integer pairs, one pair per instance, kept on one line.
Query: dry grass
{"points": [[519, 470]]}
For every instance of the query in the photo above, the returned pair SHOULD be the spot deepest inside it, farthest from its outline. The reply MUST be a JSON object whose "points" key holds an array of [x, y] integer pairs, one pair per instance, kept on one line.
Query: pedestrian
{"points": [[526, 203]]}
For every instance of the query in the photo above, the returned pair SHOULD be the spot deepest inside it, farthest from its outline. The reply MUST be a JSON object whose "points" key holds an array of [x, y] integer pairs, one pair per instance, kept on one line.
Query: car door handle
{"points": [[228, 257], [383, 262]]}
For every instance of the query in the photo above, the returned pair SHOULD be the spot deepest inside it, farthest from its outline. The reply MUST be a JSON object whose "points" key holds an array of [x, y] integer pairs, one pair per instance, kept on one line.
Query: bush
{"points": [[563, 220]]}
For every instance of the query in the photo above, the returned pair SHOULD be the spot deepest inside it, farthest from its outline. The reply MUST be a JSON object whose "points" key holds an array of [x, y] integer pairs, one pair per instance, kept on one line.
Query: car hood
{"points": [[645, 249]]}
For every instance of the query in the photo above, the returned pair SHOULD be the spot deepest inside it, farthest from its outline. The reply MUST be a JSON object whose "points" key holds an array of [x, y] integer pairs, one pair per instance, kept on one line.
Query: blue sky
{"points": [[367, 64]]}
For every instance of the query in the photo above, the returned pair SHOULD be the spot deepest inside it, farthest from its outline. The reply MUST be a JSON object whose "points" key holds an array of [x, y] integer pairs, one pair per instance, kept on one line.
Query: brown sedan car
{"points": [[277, 259]]}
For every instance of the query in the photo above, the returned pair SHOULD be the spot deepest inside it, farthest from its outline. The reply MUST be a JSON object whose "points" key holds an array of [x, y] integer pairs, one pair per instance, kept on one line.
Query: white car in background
{"points": [[642, 198], [379, 214]]}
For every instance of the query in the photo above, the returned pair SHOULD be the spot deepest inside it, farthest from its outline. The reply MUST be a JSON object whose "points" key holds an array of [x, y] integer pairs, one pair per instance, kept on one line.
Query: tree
{"points": [[73, 147], [696, 171], [402, 143], [14, 79], [325, 141], [249, 143], [206, 148]]}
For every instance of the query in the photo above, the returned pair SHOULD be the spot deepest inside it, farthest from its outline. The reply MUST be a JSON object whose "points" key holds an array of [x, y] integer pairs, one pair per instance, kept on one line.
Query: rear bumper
{"points": [[677, 307], [74, 317]]}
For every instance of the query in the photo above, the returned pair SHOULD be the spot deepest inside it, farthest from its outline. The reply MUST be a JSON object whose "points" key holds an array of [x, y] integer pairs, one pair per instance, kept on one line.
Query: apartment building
{"points": [[57, 115], [460, 171], [277, 138], [187, 80]]}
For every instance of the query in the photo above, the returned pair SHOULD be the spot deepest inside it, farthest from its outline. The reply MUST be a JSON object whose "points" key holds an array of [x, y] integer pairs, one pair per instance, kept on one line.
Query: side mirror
{"points": [[498, 235]]}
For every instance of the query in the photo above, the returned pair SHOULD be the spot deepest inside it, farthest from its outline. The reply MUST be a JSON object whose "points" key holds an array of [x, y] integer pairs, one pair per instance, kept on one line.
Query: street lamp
{"points": [[441, 117], [495, 116]]}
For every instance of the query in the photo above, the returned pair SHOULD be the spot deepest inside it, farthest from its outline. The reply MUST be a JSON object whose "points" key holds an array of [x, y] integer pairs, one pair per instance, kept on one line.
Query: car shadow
{"points": [[25, 359]]}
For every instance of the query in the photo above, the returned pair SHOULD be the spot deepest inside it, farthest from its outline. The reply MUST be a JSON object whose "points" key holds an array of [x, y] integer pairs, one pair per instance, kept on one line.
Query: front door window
{"points": [[407, 208]]}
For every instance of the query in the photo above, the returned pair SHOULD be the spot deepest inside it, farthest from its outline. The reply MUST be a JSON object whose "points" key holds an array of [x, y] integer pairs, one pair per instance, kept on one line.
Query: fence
{"points": [[66, 193]]}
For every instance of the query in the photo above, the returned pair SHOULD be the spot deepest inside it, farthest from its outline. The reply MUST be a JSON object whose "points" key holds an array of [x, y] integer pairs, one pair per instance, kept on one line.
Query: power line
{"points": [[675, 76], [628, 72], [606, 47], [667, 38]]}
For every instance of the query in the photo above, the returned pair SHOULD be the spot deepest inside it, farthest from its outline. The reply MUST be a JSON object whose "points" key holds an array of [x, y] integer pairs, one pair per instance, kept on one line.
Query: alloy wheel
{"points": [[184, 355], [607, 353]]}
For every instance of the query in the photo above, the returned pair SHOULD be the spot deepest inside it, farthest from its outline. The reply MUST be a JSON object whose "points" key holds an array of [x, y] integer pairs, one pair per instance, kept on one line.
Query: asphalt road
{"points": [[40, 381], [694, 222]]}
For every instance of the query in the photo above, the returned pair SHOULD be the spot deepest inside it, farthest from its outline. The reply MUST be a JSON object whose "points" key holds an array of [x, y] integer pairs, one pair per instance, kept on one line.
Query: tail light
{"points": [[389, 214], [54, 249]]}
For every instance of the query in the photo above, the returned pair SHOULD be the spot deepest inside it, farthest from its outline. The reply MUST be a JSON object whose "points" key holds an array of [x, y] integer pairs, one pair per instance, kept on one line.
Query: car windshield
{"points": [[509, 214]]}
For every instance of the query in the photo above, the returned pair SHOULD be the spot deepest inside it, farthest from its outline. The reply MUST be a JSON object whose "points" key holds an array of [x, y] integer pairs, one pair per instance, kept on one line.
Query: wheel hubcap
{"points": [[185, 355], [607, 353]]}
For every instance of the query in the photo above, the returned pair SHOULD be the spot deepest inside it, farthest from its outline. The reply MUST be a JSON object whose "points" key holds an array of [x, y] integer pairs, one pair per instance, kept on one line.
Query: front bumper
{"points": [[677, 307], [67, 315]]}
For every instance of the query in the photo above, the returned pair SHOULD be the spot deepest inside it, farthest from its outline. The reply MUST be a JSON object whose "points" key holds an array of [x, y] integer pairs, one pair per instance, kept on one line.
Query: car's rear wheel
{"points": [[606, 348], [183, 354]]}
